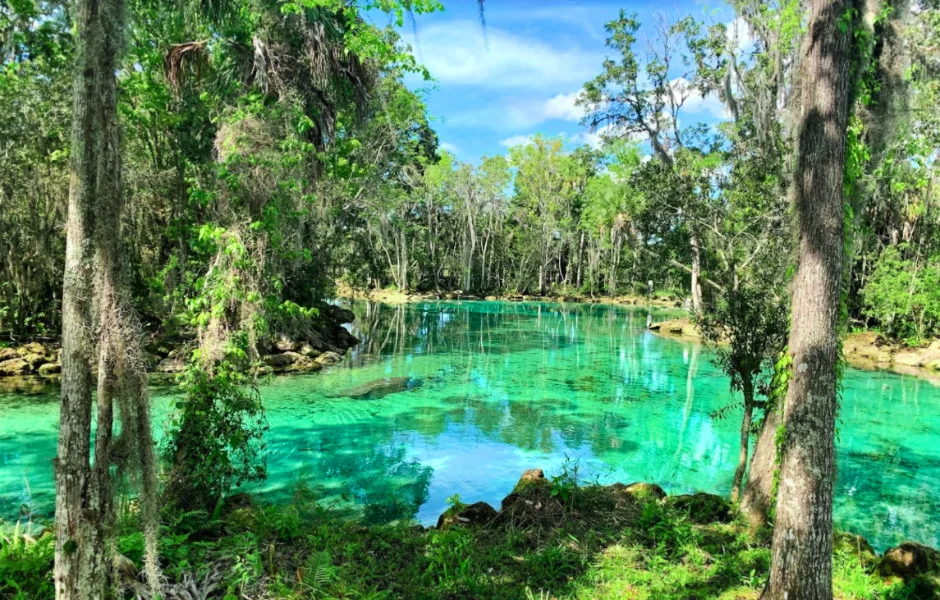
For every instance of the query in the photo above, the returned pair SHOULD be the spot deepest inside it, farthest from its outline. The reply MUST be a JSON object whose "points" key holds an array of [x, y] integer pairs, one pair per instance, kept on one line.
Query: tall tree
{"points": [[98, 327], [802, 544]]}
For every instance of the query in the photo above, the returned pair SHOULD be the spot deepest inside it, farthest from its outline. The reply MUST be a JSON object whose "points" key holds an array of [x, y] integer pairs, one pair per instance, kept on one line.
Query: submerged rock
{"points": [[703, 508], [473, 515], [380, 388]]}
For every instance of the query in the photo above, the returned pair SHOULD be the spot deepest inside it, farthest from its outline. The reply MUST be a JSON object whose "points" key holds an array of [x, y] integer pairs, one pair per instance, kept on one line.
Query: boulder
{"points": [[281, 361], [530, 487], [14, 366], [34, 360], [308, 350], [302, 364], [8, 354], [644, 490], [50, 369], [171, 365], [32, 348], [473, 515], [909, 359], [329, 358], [703, 508], [908, 560], [285, 344]]}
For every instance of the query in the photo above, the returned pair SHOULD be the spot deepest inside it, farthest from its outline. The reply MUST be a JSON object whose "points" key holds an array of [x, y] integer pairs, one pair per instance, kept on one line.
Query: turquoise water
{"points": [[461, 397]]}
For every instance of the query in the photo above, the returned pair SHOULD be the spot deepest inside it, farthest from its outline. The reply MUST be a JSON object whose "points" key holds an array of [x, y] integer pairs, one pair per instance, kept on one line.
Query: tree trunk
{"points": [[77, 544], [801, 560], [745, 438], [696, 273], [94, 300], [758, 491]]}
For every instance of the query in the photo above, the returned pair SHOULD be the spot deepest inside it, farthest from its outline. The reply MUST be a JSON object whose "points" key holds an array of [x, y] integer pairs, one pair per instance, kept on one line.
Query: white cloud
{"points": [[456, 53], [740, 34], [515, 113], [448, 147], [695, 103], [516, 140]]}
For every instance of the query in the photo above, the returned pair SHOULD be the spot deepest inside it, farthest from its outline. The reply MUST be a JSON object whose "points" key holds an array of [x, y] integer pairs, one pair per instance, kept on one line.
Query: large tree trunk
{"points": [[801, 563]]}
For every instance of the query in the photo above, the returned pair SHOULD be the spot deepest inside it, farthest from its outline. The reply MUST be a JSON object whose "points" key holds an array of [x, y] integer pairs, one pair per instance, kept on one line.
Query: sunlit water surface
{"points": [[495, 388]]}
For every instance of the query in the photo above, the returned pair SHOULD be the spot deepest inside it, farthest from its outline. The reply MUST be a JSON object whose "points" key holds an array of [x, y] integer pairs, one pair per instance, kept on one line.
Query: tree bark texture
{"points": [[758, 489], [99, 325], [801, 563]]}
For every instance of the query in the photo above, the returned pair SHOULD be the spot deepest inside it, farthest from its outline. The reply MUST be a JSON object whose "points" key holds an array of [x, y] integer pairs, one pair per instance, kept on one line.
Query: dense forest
{"points": [[329, 170], [205, 173]]}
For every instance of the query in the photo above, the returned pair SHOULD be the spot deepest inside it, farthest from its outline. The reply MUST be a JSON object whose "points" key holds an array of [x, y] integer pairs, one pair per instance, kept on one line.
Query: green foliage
{"points": [[215, 440], [903, 294]]}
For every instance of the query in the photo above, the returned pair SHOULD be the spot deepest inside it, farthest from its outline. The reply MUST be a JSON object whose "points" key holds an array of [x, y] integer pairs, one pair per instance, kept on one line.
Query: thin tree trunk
{"points": [[696, 273], [758, 491], [745, 439], [801, 560]]}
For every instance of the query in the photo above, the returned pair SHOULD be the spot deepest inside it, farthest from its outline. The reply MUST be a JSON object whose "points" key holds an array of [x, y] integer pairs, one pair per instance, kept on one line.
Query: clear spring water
{"points": [[461, 397]]}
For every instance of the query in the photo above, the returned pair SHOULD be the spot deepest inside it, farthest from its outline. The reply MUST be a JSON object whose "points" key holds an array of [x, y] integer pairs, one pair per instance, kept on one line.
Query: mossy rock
{"points": [[477, 514], [642, 491], [848, 544], [909, 560], [702, 508]]}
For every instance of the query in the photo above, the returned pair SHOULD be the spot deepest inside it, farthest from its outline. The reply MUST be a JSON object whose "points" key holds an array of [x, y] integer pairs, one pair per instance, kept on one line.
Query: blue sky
{"points": [[520, 76]]}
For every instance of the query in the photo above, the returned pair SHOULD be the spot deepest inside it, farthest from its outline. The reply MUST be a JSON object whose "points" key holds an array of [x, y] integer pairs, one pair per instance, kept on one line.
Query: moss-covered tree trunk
{"points": [[98, 325], [801, 563]]}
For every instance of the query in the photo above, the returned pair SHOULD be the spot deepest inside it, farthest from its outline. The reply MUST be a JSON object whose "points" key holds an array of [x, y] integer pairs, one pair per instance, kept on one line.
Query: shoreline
{"points": [[865, 351], [391, 296]]}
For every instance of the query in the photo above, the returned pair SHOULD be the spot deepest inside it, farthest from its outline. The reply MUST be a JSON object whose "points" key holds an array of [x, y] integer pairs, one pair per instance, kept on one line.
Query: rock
{"points": [[329, 358], [531, 476], [474, 515], [151, 360], [309, 351], [8, 354], [909, 359], [532, 484], [14, 366], [848, 544], [285, 344], [302, 364], [171, 365], [32, 348], [50, 369], [703, 508], [34, 360], [909, 560], [645, 490], [279, 362], [933, 365]]}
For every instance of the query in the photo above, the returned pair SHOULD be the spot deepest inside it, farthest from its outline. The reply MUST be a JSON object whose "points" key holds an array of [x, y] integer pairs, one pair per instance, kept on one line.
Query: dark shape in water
{"points": [[380, 388]]}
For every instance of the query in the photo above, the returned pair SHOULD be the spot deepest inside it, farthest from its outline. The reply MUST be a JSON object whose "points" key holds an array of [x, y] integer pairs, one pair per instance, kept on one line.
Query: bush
{"points": [[903, 295]]}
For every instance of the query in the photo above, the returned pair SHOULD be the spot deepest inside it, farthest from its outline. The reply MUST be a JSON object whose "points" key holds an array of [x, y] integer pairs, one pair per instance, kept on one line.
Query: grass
{"points": [[552, 540]]}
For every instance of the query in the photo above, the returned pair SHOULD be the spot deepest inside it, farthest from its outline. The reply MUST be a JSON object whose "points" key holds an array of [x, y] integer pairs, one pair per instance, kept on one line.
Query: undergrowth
{"points": [[556, 540]]}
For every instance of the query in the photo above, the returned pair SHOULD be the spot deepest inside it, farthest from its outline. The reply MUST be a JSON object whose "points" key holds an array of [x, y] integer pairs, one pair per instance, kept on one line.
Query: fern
{"points": [[318, 571]]}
